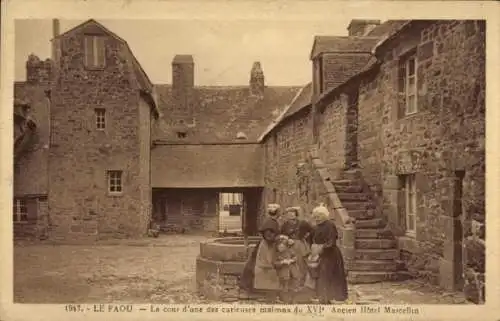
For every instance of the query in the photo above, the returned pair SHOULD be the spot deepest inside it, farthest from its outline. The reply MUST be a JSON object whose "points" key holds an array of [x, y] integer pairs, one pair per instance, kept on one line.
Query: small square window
{"points": [[20, 210], [115, 182], [100, 118]]}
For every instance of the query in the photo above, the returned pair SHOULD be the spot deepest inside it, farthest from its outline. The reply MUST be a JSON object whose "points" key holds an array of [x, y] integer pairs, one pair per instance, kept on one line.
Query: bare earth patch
{"points": [[151, 271]]}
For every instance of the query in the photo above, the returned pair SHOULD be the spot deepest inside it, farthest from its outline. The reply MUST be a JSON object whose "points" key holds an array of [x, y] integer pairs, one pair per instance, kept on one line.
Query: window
{"points": [[100, 118], [181, 134], [20, 210], [408, 83], [95, 51], [410, 192], [115, 182]]}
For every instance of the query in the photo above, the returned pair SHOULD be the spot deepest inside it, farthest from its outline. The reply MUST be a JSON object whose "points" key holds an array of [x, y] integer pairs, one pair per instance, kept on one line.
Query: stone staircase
{"points": [[375, 250]]}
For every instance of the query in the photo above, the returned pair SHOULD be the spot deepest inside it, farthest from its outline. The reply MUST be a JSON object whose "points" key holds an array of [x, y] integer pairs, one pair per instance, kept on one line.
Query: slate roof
{"points": [[220, 113], [387, 28], [303, 100], [347, 44], [341, 67]]}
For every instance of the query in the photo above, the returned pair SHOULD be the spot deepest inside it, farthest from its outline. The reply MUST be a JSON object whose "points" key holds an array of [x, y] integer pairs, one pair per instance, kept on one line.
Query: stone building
{"points": [[396, 147], [113, 153], [389, 133]]}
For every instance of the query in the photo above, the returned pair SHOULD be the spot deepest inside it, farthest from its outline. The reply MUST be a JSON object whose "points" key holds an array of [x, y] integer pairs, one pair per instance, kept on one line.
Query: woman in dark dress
{"points": [[331, 284]]}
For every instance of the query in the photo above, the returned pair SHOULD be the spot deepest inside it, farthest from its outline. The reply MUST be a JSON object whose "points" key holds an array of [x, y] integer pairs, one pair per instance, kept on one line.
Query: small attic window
{"points": [[181, 134], [95, 51], [241, 135]]}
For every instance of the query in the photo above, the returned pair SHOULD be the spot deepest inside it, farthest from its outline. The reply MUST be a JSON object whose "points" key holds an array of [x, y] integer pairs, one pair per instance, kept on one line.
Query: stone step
{"points": [[353, 206], [373, 265], [353, 197], [348, 188], [370, 223], [375, 244], [376, 233], [376, 254], [362, 214], [360, 277], [351, 174], [344, 182]]}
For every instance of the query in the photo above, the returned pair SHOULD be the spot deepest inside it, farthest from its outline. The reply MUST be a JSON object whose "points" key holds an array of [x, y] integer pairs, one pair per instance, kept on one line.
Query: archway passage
{"points": [[207, 210]]}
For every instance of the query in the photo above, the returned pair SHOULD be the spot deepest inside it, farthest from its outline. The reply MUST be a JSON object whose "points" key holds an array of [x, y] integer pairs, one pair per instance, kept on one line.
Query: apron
{"points": [[266, 277]]}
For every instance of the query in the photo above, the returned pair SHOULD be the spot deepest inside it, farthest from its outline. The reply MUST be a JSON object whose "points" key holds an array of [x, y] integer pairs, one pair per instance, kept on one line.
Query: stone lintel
{"points": [[391, 182]]}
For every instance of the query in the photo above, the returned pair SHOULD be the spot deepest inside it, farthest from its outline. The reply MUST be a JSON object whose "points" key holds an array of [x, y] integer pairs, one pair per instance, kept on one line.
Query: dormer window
{"points": [[94, 52]]}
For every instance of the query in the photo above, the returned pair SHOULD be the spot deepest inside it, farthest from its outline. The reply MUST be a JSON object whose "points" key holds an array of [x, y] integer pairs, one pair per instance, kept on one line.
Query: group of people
{"points": [[297, 258]]}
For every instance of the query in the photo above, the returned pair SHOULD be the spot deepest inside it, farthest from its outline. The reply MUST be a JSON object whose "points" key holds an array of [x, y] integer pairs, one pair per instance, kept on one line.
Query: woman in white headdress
{"points": [[331, 282]]}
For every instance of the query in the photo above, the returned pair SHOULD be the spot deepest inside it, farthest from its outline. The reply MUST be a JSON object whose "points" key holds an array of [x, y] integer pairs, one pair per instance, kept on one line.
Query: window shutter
{"points": [[32, 209], [401, 89], [88, 50], [401, 77], [101, 51]]}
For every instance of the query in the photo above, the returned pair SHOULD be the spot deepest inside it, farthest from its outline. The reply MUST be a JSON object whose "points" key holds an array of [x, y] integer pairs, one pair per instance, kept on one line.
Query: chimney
{"points": [[257, 83], [360, 27], [55, 28], [183, 88]]}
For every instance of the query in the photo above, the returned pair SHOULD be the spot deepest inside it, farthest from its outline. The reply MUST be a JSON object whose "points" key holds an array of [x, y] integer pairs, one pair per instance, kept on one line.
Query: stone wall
{"points": [[30, 169], [80, 155], [286, 181], [332, 134], [446, 136], [187, 209], [145, 120], [207, 165], [442, 145], [37, 226]]}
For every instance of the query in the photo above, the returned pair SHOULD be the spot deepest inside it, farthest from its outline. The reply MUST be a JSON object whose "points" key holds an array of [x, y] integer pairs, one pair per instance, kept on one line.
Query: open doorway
{"points": [[231, 206]]}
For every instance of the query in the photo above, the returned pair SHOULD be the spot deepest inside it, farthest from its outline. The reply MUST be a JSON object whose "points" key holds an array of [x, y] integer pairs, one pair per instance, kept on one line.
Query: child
{"points": [[286, 267]]}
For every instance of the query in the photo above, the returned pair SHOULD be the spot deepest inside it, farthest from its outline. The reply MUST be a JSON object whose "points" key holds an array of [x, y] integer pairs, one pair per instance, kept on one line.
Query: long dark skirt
{"points": [[332, 281], [248, 275]]}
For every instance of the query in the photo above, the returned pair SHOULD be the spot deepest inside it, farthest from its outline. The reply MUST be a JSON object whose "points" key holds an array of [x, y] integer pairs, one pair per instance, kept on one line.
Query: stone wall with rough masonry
{"points": [[188, 209], [286, 162], [444, 137], [81, 155], [443, 144]]}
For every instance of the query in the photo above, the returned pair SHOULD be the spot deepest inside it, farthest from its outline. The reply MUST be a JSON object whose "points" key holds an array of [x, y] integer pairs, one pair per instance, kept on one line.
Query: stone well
{"points": [[220, 265]]}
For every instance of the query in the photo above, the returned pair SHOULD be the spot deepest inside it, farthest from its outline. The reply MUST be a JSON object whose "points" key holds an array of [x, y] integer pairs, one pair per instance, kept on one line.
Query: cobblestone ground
{"points": [[158, 270]]}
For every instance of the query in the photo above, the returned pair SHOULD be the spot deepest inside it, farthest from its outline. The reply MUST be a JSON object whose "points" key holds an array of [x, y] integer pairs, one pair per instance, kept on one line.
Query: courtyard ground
{"points": [[158, 270]]}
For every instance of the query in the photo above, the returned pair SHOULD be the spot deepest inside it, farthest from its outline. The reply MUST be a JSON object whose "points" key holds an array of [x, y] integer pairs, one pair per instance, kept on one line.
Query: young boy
{"points": [[286, 267]]}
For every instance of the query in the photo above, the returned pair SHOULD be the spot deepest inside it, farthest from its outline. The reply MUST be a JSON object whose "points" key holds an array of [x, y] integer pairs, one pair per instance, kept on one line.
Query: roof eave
{"points": [[151, 101], [383, 41]]}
